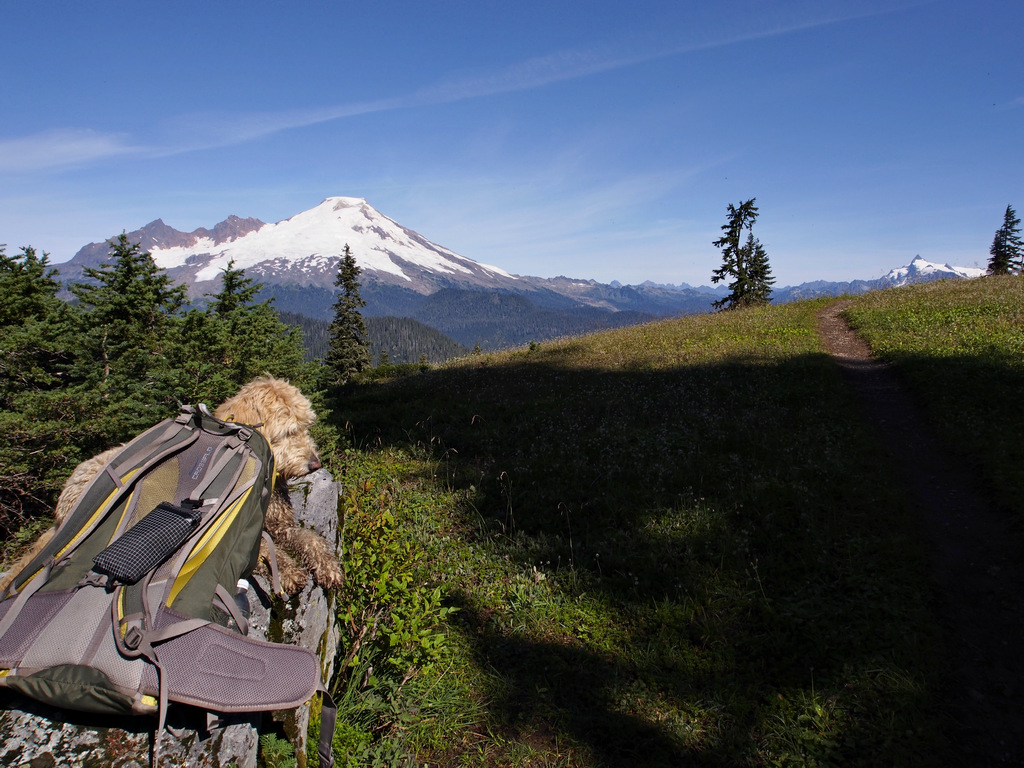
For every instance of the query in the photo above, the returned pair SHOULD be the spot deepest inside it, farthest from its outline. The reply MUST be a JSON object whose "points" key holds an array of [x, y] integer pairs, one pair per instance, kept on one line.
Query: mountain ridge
{"points": [[297, 260]]}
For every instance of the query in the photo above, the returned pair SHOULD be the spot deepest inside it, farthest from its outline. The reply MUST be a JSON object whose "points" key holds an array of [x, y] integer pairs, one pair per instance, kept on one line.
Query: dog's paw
{"points": [[293, 581], [329, 574], [292, 576]]}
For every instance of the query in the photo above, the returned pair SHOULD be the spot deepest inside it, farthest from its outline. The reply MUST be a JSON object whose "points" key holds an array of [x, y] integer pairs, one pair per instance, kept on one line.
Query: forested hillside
{"points": [[401, 339], [404, 340], [495, 320], [491, 319]]}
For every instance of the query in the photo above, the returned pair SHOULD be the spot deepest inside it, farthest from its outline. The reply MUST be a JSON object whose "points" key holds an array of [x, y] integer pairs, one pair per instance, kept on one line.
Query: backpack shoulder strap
{"points": [[106, 489]]}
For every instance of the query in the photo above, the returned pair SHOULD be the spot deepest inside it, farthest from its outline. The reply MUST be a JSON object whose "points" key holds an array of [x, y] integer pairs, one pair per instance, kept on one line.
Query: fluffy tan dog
{"points": [[283, 415]]}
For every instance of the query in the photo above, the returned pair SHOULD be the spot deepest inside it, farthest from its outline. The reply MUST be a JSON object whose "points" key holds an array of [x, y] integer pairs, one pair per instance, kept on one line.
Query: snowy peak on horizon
{"points": [[309, 245], [921, 270]]}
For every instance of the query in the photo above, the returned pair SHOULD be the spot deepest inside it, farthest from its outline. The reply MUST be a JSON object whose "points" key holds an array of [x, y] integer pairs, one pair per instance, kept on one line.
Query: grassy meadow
{"points": [[671, 544], [960, 348]]}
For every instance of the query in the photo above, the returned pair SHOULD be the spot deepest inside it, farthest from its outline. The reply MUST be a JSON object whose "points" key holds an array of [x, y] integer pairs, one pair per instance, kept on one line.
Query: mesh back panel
{"points": [[122, 671], [159, 485], [36, 614], [176, 476], [247, 473], [70, 632]]}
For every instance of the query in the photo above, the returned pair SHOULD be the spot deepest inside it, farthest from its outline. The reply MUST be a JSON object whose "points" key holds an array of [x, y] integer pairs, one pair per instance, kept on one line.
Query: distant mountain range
{"points": [[406, 275], [918, 271]]}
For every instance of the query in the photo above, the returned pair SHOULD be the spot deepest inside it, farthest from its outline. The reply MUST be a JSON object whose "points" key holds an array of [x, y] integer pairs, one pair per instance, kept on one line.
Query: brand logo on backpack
{"points": [[197, 469]]}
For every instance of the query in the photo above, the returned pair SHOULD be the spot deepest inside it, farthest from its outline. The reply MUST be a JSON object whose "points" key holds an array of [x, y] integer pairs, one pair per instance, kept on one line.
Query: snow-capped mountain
{"points": [[297, 262], [918, 271], [923, 271], [305, 251]]}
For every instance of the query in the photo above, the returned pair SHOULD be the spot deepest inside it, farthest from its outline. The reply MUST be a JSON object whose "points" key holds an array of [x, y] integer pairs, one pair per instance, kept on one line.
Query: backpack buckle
{"points": [[96, 579], [187, 414], [133, 638]]}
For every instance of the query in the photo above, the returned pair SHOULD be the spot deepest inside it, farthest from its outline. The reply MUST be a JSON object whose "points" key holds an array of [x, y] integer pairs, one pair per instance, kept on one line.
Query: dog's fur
{"points": [[283, 415]]}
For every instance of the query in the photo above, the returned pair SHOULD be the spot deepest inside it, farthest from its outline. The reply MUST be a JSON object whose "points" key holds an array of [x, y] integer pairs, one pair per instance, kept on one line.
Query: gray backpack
{"points": [[131, 604]]}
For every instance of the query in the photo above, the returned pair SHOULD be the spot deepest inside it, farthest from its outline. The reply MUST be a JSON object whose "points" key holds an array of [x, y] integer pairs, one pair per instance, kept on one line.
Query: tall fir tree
{"points": [[28, 286], [349, 351], [1007, 251], [40, 424], [34, 325], [747, 264], [236, 290], [128, 313]]}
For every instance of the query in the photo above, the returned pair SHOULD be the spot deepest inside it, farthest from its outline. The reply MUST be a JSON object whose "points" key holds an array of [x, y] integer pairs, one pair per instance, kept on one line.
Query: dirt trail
{"points": [[977, 569]]}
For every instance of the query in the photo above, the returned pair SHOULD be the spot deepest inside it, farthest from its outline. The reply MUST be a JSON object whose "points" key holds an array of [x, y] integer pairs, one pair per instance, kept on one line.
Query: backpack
{"points": [[131, 604]]}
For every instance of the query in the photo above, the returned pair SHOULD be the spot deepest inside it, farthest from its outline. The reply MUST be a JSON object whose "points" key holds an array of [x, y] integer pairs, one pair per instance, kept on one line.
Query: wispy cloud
{"points": [[63, 148], [1011, 104], [208, 130], [58, 149], [562, 66]]}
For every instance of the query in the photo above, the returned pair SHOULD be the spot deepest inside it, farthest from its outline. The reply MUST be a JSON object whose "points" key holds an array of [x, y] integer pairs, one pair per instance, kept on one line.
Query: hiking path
{"points": [[974, 554]]}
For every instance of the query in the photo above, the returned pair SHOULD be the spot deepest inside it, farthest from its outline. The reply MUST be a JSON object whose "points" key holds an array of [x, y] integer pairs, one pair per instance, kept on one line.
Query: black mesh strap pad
{"points": [[148, 543]]}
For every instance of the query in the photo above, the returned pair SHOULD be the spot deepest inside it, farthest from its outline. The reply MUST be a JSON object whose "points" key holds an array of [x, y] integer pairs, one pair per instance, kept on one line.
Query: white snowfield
{"points": [[920, 269], [313, 240]]}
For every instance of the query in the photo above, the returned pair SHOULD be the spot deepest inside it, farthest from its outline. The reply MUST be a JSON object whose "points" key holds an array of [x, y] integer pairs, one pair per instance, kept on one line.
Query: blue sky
{"points": [[599, 140]]}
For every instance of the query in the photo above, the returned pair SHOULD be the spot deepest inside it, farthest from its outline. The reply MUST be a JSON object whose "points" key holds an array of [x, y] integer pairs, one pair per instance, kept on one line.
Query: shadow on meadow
{"points": [[965, 397], [559, 699], [707, 563]]}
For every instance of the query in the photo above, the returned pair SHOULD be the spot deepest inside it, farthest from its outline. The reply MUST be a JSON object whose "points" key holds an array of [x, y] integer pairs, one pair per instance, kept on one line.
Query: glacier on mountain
{"points": [[314, 240], [921, 270]]}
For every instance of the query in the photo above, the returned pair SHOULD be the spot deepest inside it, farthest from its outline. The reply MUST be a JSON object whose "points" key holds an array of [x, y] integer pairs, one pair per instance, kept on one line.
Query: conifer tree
{"points": [[746, 264], [261, 344], [34, 325], [349, 352], [1007, 251], [236, 290], [201, 355], [28, 286], [128, 312], [40, 424]]}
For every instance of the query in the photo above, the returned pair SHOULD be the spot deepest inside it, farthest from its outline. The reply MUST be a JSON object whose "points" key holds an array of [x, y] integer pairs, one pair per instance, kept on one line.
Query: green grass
{"points": [[668, 544], [960, 347]]}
